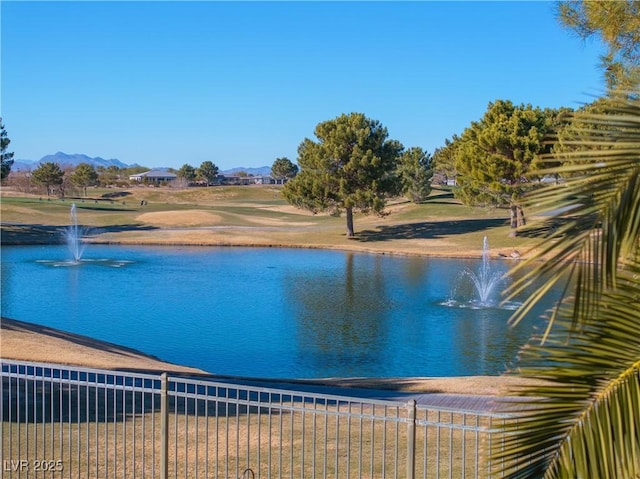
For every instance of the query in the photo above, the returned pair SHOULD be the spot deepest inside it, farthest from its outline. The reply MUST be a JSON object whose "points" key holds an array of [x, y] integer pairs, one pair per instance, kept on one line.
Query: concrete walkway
{"points": [[467, 402]]}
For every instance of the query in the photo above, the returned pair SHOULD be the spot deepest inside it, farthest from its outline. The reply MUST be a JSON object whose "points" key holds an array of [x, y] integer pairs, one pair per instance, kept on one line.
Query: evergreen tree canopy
{"points": [[84, 175], [48, 174], [352, 167], [617, 24], [496, 155], [6, 158], [283, 168], [187, 172], [207, 172], [415, 172], [444, 159]]}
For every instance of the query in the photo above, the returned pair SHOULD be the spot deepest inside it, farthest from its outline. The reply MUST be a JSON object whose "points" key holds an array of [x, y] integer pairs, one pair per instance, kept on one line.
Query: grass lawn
{"points": [[106, 433], [256, 216]]}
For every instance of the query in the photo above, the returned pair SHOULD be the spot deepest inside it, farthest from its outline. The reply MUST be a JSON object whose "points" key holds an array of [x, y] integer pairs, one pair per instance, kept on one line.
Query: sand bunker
{"points": [[180, 218]]}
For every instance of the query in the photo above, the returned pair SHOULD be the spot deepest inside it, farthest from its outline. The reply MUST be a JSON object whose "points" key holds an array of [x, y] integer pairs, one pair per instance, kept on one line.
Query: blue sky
{"points": [[243, 83]]}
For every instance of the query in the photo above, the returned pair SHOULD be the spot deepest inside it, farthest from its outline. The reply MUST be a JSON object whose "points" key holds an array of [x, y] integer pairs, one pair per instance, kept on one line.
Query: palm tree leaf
{"points": [[583, 421], [601, 191]]}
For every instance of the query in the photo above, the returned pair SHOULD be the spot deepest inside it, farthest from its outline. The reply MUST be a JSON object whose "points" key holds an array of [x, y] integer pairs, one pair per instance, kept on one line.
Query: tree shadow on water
{"points": [[430, 229]]}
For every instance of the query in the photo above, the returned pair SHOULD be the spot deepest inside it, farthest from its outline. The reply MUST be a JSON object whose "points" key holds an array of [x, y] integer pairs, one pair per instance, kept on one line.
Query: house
{"points": [[236, 180], [263, 180], [153, 176]]}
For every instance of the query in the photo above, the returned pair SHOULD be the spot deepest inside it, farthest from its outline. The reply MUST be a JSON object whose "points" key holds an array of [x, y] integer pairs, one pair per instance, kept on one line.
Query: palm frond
{"points": [[584, 420], [596, 205]]}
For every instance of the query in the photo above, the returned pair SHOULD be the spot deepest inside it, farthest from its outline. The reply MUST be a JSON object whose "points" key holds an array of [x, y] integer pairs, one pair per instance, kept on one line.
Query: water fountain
{"points": [[73, 235], [485, 280], [485, 292]]}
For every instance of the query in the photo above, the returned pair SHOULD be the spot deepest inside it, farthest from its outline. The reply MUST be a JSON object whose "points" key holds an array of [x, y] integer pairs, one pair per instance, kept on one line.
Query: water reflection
{"points": [[341, 319]]}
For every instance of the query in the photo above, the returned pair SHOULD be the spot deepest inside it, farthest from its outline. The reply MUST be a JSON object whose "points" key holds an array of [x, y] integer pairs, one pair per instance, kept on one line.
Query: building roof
{"points": [[155, 174]]}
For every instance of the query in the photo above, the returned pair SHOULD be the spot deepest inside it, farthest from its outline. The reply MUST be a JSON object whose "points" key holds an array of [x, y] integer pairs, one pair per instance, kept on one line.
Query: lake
{"points": [[268, 312]]}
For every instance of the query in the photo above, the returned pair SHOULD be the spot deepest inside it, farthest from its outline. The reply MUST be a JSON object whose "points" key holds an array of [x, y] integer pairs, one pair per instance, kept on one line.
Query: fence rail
{"points": [[67, 422]]}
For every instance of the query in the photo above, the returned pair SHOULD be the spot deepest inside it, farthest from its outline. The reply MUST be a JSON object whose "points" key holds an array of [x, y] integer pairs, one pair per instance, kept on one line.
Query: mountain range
{"points": [[64, 159]]}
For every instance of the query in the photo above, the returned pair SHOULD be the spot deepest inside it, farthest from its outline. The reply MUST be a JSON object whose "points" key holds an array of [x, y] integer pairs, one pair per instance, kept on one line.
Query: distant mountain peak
{"points": [[76, 158], [65, 159]]}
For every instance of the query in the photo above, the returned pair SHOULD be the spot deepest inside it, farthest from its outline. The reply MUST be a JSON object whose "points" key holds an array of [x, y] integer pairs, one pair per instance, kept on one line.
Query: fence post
{"points": [[411, 439], [164, 426]]}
